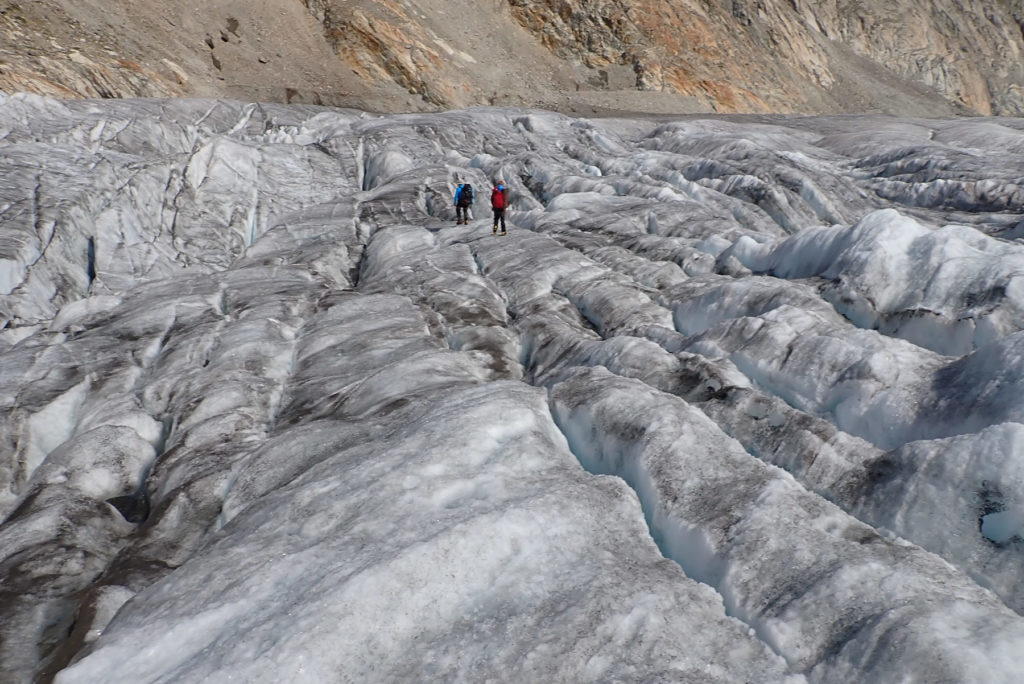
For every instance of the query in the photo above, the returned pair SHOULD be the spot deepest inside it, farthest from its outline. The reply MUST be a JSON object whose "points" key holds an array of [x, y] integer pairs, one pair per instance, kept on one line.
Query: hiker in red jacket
{"points": [[499, 201]]}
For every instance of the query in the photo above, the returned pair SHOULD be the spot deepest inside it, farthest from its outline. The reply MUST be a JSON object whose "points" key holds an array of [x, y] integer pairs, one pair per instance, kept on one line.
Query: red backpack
{"points": [[497, 198]]}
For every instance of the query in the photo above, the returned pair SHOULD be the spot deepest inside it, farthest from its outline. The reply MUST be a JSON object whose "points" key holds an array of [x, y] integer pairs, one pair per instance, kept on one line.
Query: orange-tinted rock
{"points": [[821, 56]]}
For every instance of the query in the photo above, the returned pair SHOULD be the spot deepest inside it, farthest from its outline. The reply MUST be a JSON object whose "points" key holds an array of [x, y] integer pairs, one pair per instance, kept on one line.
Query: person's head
{"points": [[500, 184]]}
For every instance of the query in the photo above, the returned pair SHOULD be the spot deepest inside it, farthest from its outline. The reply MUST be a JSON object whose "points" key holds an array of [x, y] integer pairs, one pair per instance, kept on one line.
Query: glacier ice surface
{"points": [[735, 400]]}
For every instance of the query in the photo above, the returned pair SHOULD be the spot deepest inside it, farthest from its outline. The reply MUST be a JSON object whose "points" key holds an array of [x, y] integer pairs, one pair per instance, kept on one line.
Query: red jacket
{"points": [[499, 198]]}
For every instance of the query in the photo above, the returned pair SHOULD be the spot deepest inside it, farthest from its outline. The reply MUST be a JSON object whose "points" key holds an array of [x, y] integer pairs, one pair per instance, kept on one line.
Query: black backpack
{"points": [[466, 196]]}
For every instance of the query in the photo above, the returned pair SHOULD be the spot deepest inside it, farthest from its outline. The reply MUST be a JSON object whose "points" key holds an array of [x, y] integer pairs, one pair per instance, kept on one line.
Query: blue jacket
{"points": [[458, 194]]}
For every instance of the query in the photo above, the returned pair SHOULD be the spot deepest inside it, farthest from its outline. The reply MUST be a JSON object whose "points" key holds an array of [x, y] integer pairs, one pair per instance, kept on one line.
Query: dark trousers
{"points": [[499, 215], [462, 212]]}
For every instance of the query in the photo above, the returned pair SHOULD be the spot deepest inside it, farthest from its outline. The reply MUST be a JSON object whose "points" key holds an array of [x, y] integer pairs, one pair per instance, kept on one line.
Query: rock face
{"points": [[902, 57], [743, 55], [268, 51]]}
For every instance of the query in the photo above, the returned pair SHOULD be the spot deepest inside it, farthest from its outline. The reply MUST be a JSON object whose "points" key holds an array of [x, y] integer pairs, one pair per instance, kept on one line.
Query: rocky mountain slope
{"points": [[934, 58], [756, 55]]}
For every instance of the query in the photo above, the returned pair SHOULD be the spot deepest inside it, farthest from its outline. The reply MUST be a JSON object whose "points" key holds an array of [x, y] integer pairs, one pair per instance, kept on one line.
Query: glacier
{"points": [[737, 399]]}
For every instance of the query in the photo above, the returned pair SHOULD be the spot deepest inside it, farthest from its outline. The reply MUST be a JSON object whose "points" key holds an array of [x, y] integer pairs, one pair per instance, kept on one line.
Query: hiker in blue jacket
{"points": [[463, 199]]}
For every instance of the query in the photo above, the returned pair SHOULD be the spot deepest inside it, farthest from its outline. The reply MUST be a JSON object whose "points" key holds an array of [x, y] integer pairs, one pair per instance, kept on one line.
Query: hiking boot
{"points": [[504, 233], [495, 230]]}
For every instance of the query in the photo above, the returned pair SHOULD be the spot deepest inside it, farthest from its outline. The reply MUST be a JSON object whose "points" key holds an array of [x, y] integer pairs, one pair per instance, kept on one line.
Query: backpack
{"points": [[466, 195]]}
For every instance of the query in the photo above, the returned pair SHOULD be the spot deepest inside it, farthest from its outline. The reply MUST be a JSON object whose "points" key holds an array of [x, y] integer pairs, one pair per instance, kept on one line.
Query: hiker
{"points": [[463, 199], [499, 201]]}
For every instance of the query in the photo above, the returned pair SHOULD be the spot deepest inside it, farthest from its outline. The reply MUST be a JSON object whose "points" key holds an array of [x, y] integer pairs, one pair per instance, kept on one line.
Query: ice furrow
{"points": [[828, 461], [714, 521]]}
